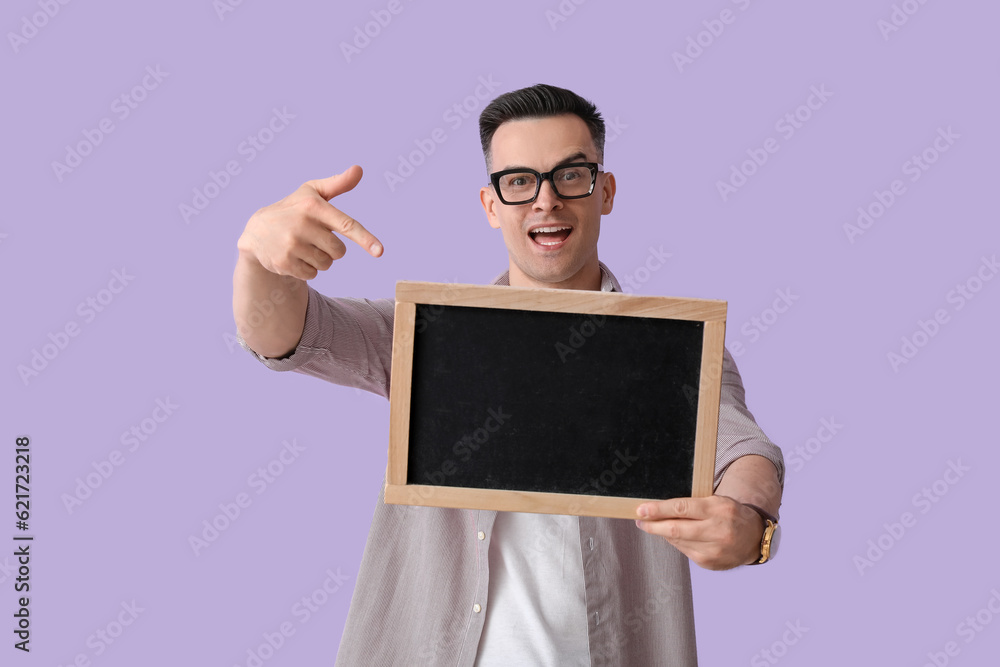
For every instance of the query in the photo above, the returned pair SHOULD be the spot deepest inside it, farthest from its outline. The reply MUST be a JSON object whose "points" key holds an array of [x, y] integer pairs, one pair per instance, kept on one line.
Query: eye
{"points": [[572, 174], [518, 181]]}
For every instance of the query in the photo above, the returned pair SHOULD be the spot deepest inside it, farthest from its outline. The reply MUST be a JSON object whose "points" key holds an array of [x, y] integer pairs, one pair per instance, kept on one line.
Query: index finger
{"points": [[336, 220]]}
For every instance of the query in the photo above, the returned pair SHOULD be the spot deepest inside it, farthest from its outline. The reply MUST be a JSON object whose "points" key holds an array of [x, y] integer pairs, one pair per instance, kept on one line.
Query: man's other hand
{"points": [[716, 532]]}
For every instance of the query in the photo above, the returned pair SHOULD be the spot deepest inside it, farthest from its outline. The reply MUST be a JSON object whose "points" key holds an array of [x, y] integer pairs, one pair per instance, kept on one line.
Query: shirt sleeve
{"points": [[739, 434], [345, 341]]}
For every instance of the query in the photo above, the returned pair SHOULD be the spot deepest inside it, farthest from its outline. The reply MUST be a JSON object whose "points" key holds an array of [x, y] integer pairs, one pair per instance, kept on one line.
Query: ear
{"points": [[608, 193], [490, 204]]}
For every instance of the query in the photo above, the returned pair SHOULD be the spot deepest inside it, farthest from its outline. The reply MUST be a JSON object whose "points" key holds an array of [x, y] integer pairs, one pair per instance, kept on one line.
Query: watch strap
{"points": [[764, 514]]}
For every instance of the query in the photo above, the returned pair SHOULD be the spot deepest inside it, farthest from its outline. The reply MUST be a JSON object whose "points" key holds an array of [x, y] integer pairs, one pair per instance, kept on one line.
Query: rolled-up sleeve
{"points": [[345, 341], [739, 434]]}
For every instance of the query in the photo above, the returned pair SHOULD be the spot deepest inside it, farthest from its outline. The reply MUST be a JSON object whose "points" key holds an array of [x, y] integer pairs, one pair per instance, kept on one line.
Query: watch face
{"points": [[775, 539]]}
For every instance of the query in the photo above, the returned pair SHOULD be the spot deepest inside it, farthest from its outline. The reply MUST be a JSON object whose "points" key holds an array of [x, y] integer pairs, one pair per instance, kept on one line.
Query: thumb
{"points": [[338, 184]]}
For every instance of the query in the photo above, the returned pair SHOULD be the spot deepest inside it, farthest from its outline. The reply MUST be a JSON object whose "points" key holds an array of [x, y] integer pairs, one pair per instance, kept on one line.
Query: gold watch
{"points": [[772, 535]]}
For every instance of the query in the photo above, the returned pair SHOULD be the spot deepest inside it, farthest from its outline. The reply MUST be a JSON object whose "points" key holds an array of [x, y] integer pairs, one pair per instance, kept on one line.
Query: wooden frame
{"points": [[409, 294]]}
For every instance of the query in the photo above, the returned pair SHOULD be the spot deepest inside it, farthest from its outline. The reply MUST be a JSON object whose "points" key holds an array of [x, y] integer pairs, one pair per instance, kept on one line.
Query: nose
{"points": [[547, 198]]}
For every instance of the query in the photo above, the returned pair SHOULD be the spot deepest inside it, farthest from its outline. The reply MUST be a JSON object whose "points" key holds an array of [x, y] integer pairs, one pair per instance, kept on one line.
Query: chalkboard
{"points": [[559, 401]]}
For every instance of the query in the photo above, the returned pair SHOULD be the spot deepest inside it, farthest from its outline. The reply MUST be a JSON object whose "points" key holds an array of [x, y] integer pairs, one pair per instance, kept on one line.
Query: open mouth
{"points": [[550, 236]]}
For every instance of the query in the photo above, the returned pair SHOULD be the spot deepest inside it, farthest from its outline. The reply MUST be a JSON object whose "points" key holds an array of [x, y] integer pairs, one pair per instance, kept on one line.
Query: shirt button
{"points": [[482, 535], [476, 608]]}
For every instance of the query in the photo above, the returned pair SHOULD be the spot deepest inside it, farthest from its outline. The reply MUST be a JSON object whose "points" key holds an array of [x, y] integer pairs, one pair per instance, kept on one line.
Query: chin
{"points": [[551, 276]]}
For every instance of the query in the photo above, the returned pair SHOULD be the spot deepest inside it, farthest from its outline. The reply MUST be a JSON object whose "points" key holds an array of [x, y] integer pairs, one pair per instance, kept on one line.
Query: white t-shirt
{"points": [[536, 613]]}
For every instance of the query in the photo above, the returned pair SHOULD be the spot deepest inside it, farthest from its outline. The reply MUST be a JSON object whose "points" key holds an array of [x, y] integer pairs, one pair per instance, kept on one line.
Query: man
{"points": [[464, 587]]}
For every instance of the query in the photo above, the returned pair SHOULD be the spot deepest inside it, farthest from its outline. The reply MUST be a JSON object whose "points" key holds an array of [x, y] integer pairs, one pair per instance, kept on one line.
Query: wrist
{"points": [[245, 255], [769, 535]]}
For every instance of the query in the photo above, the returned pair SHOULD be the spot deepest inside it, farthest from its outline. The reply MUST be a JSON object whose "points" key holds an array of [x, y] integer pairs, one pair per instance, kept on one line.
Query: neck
{"points": [[588, 278]]}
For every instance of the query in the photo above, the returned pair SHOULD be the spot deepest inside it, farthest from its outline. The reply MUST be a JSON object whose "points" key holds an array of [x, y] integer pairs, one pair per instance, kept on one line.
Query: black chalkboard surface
{"points": [[511, 402]]}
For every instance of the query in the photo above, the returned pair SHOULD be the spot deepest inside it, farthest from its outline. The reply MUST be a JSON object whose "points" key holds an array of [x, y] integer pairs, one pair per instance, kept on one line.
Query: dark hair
{"points": [[538, 101]]}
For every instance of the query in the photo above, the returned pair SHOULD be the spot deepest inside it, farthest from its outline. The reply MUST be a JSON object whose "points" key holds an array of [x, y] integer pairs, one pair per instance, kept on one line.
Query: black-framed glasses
{"points": [[570, 181]]}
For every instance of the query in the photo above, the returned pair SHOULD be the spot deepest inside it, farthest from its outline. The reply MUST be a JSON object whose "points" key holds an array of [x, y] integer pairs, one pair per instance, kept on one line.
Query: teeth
{"points": [[534, 234]]}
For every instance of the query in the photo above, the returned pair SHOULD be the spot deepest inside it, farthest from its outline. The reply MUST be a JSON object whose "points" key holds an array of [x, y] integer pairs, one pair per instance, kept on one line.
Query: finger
{"points": [[335, 219], [302, 259], [323, 257], [676, 531], [338, 221], [705, 553], [338, 184], [299, 268], [685, 531], [713, 547], [674, 508]]}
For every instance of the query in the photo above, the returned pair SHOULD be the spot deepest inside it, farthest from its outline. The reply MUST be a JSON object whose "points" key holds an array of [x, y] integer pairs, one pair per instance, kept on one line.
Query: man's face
{"points": [[564, 255]]}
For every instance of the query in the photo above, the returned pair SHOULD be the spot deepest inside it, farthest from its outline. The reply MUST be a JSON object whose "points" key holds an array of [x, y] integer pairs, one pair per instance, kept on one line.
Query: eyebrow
{"points": [[578, 156]]}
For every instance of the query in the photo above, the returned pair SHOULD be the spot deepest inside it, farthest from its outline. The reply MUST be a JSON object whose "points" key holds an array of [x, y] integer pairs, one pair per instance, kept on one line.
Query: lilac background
{"points": [[168, 334]]}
